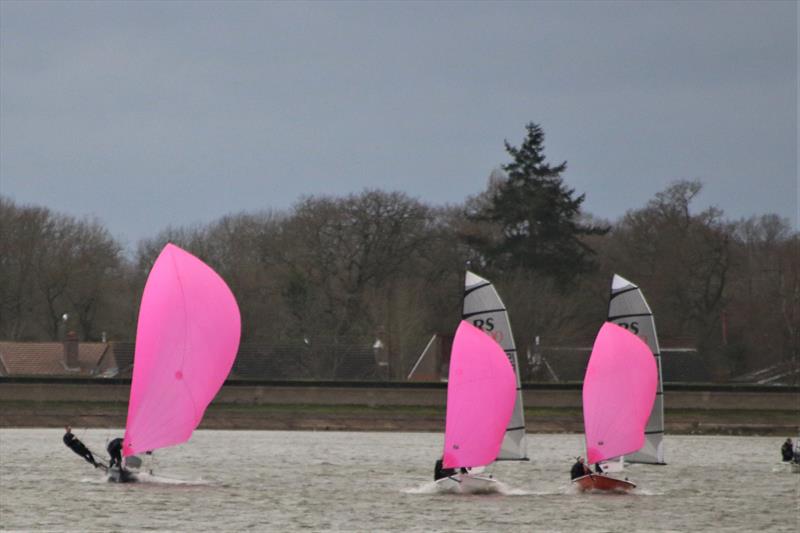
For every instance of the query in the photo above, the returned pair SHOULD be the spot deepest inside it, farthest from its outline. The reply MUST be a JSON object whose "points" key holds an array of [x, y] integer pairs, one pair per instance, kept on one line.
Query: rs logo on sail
{"points": [[633, 326], [485, 325]]}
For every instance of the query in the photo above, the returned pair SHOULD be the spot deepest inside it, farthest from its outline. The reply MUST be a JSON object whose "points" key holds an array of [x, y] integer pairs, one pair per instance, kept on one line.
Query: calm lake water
{"points": [[289, 481]]}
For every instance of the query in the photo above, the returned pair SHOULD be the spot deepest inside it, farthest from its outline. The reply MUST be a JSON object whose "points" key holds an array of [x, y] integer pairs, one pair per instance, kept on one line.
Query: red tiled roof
{"points": [[47, 358]]}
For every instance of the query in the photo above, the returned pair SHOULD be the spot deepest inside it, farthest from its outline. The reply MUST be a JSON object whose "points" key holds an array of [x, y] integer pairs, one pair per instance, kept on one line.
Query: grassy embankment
{"points": [[384, 418]]}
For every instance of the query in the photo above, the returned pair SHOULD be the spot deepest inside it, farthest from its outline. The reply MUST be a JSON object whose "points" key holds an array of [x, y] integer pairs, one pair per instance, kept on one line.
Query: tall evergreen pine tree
{"points": [[538, 216]]}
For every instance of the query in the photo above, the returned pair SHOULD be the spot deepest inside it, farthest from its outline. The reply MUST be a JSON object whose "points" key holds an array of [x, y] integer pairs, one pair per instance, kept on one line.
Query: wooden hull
{"points": [[602, 483]]}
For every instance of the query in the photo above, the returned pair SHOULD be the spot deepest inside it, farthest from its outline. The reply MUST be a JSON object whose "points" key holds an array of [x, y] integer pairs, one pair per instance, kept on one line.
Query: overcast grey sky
{"points": [[151, 114]]}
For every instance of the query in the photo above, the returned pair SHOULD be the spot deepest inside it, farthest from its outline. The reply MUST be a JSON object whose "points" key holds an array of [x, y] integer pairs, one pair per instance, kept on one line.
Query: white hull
{"points": [[118, 475], [468, 484]]}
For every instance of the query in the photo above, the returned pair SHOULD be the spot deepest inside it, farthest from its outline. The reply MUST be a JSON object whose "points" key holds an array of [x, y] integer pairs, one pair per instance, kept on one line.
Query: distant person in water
{"points": [[115, 452], [787, 450], [579, 469], [74, 444]]}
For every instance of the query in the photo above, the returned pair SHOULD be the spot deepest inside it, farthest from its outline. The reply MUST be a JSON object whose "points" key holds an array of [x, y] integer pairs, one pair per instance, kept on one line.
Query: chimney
{"points": [[71, 351]]}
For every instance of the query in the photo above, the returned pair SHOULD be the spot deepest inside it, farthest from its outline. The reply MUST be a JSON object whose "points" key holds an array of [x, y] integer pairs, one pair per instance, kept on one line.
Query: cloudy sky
{"points": [[151, 114]]}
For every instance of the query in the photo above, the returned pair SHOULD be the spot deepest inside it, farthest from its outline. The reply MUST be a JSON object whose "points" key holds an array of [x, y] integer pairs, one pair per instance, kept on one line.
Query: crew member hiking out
{"points": [[74, 444]]}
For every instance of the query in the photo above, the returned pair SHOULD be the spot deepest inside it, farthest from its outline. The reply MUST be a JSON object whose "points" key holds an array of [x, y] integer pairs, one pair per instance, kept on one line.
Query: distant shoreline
{"points": [[27, 414]]}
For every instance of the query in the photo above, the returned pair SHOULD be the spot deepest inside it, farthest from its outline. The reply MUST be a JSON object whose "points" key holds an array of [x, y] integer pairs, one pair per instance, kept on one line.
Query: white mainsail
{"points": [[484, 309], [628, 308]]}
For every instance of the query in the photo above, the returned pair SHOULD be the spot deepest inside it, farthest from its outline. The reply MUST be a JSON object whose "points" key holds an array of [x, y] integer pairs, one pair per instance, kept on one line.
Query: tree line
{"points": [[384, 264]]}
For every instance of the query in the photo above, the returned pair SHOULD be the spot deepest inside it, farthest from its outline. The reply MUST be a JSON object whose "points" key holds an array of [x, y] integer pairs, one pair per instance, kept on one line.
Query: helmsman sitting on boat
{"points": [[787, 450], [579, 469], [74, 444]]}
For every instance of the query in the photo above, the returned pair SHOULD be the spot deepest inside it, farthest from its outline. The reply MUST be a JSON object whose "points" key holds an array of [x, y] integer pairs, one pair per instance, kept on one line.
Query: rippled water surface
{"points": [[288, 481]]}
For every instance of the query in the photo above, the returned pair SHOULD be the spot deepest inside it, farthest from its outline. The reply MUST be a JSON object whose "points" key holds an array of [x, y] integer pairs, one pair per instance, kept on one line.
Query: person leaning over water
{"points": [[74, 444]]}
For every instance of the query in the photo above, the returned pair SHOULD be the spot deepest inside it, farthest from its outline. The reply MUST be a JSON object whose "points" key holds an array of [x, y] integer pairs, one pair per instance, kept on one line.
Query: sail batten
{"points": [[186, 341], [484, 309], [627, 302]]}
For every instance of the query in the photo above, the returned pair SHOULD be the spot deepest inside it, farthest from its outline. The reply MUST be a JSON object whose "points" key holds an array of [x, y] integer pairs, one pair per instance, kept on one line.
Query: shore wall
{"points": [[756, 398], [388, 406]]}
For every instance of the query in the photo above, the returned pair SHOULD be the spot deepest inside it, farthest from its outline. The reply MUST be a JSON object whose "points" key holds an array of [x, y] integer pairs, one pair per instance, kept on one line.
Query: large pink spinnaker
{"points": [[481, 392], [619, 390], [186, 341]]}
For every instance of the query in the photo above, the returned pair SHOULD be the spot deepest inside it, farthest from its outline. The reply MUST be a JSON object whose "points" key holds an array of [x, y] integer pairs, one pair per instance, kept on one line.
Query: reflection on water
{"points": [[278, 481]]}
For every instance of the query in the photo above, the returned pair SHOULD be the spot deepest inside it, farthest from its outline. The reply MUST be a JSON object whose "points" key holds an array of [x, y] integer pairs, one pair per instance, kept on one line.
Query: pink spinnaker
{"points": [[619, 390], [186, 342], [481, 392]]}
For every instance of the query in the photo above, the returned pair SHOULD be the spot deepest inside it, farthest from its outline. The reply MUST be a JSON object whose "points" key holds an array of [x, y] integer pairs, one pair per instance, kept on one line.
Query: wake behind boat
{"points": [[619, 390]]}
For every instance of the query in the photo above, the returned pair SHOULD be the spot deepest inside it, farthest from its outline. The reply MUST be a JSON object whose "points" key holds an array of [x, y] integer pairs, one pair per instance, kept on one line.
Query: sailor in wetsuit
{"points": [[440, 472], [787, 453], [74, 444], [115, 452], [579, 469]]}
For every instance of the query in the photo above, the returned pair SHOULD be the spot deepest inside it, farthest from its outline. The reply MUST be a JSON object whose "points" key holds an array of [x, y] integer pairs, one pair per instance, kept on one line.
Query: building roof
{"points": [[47, 358], [117, 362]]}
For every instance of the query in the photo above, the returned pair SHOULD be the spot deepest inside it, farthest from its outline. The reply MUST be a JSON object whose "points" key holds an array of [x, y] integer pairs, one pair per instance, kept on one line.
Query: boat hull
{"points": [[468, 484], [121, 475], [601, 483]]}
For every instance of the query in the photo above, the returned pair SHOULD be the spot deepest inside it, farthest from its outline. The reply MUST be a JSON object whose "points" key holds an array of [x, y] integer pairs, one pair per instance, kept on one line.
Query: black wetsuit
{"points": [[598, 468], [441, 472], [115, 451], [578, 470], [78, 447], [786, 451]]}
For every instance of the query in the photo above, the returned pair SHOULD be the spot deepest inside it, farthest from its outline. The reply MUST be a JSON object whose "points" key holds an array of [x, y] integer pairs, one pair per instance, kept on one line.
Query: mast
{"points": [[484, 309], [628, 308]]}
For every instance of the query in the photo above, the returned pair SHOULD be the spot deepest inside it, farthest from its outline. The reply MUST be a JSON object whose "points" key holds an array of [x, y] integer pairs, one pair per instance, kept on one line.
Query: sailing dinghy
{"points": [[619, 390], [484, 309], [186, 341], [628, 308], [481, 391]]}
